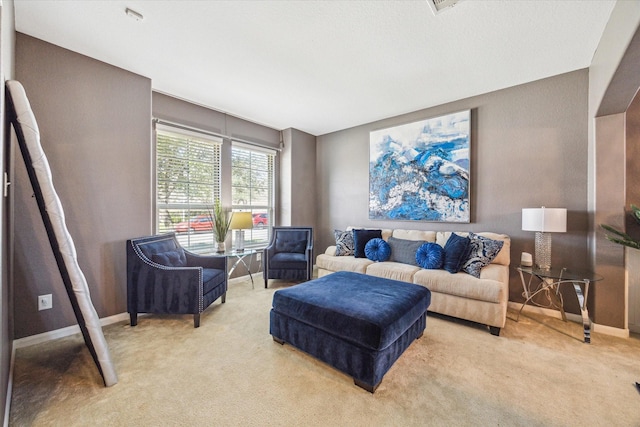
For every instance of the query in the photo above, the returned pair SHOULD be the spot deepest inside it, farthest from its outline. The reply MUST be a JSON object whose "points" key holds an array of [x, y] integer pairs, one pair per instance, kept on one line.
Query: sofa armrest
{"points": [[331, 251], [495, 272]]}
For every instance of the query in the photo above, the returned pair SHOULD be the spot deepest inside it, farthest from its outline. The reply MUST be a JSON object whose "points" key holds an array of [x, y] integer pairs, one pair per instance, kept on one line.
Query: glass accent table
{"points": [[240, 259], [549, 282]]}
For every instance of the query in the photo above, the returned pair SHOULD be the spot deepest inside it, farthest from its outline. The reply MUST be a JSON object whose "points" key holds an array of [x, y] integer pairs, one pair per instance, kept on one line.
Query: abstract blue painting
{"points": [[420, 171]]}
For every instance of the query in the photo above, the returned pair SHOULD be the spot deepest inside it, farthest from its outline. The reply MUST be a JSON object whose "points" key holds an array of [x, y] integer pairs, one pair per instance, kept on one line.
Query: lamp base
{"points": [[239, 241], [543, 250]]}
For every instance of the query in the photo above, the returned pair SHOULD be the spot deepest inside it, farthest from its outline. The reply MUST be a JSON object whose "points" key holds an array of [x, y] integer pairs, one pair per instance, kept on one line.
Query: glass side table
{"points": [[240, 259], [548, 283]]}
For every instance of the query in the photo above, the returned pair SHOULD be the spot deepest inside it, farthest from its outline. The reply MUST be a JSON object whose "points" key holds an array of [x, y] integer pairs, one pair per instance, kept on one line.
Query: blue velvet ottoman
{"points": [[356, 323]]}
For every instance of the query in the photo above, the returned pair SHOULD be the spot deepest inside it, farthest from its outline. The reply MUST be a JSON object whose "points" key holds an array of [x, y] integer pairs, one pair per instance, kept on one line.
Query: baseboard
{"points": [[595, 327], [256, 275], [515, 306], [610, 330], [75, 329], [64, 332]]}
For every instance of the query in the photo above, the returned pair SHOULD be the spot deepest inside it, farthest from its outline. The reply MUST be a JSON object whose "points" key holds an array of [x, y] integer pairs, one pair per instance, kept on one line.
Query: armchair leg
{"points": [[266, 283], [196, 320], [223, 298], [133, 318]]}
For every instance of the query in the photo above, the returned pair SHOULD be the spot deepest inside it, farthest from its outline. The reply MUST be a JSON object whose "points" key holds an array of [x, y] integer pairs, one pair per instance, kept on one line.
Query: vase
{"points": [[221, 247]]}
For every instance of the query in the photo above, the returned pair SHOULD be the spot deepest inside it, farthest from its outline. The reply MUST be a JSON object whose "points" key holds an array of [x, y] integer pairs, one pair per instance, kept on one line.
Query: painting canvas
{"points": [[420, 171]]}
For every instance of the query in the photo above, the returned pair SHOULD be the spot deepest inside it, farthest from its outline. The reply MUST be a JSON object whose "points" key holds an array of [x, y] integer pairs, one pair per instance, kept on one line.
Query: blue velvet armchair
{"points": [[164, 278], [289, 255]]}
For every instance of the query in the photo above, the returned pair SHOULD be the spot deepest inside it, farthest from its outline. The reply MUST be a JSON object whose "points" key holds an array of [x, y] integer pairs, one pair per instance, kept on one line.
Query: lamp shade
{"points": [[241, 221], [547, 220]]}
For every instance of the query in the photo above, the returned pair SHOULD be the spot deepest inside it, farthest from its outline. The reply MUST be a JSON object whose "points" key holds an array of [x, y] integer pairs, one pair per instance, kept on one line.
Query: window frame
{"points": [[197, 241], [256, 208]]}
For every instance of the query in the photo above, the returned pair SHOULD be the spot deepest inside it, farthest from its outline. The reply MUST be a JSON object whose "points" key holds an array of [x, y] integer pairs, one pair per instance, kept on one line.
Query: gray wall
{"points": [[94, 122], [610, 201], [528, 148], [183, 112], [298, 183], [632, 165]]}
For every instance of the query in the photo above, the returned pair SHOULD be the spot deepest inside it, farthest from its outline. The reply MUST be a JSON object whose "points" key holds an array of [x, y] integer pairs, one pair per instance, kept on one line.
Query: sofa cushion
{"points": [[212, 278], [157, 246], [403, 250], [504, 256], [481, 252], [344, 242], [343, 263], [377, 250], [393, 270], [175, 258], [386, 232], [455, 253], [426, 236], [430, 255], [360, 239], [462, 285], [288, 260]]}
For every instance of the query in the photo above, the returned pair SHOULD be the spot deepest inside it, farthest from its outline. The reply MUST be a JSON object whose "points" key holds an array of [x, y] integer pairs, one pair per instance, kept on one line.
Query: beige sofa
{"points": [[460, 295]]}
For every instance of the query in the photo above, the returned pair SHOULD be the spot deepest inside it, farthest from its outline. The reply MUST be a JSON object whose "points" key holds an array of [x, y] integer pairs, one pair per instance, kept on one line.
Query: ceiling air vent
{"points": [[438, 6]]}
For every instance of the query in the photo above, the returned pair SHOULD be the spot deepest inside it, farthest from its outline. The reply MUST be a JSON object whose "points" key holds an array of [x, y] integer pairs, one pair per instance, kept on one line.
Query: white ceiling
{"points": [[323, 66]]}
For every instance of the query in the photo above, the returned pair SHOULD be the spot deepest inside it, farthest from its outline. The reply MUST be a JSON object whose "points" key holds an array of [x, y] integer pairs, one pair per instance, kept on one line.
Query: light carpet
{"points": [[230, 372]]}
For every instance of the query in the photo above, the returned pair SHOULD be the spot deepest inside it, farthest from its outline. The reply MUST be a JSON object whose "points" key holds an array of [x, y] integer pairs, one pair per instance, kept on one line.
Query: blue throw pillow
{"points": [[455, 253], [430, 255], [175, 258], [361, 237], [481, 252], [377, 250], [344, 242], [403, 250]]}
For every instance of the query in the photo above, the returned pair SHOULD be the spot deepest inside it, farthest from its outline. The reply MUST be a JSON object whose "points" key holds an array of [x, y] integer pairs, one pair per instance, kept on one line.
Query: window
{"points": [[187, 184], [252, 189]]}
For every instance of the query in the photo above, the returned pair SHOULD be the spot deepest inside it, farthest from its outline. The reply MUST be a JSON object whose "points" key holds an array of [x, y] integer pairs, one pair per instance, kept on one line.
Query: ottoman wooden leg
{"points": [[369, 388], [278, 340]]}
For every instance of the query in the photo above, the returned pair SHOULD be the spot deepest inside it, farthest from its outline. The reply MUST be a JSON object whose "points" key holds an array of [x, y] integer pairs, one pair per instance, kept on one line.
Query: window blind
{"points": [[253, 188], [188, 182]]}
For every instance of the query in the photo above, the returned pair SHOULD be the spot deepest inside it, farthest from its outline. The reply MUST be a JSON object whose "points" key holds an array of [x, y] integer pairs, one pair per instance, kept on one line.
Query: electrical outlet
{"points": [[259, 256], [45, 302]]}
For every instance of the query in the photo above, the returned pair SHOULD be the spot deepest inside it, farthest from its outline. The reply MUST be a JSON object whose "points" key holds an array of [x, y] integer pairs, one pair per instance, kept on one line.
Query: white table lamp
{"points": [[544, 221], [240, 222]]}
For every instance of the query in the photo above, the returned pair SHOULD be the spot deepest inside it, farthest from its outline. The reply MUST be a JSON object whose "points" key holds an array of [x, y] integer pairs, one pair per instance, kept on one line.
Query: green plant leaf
{"points": [[615, 231], [622, 237], [635, 213], [629, 243], [221, 221]]}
